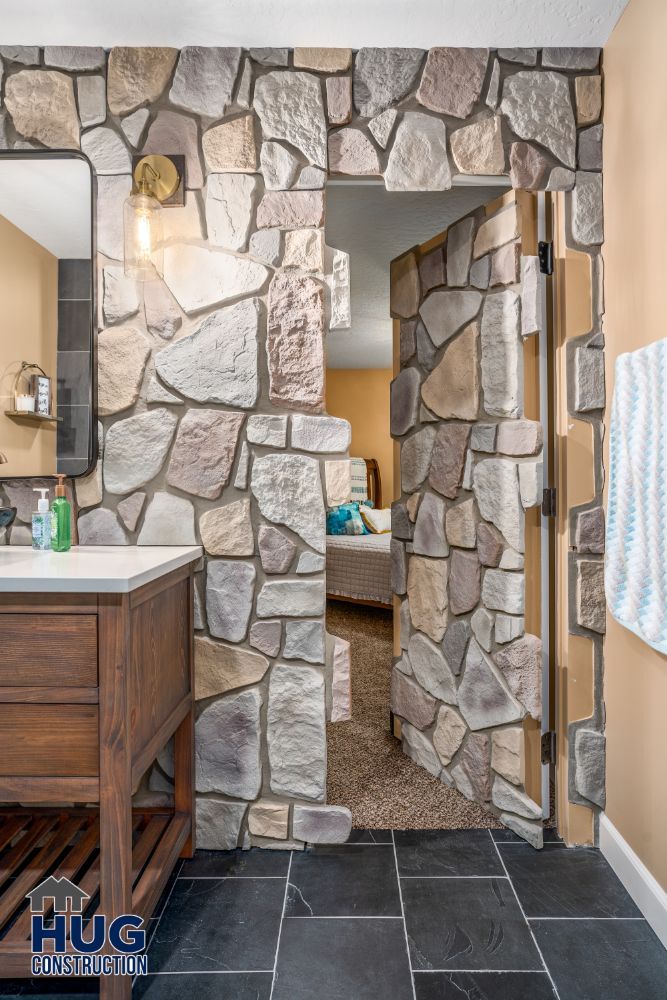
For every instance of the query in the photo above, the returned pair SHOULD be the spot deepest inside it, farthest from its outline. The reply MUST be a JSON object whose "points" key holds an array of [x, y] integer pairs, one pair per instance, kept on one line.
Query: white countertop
{"points": [[89, 569]]}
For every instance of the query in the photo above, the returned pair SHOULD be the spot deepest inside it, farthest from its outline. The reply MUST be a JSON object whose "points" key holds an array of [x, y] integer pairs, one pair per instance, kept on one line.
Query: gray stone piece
{"points": [[416, 458], [133, 126], [426, 349], [532, 832], [504, 591], [266, 244], [288, 490], [296, 734], [382, 125], [472, 772], [590, 148], [590, 599], [382, 77], [455, 644], [311, 179], [519, 437], [309, 562], [506, 265], [461, 524], [484, 698], [266, 637], [570, 58], [538, 108], [269, 430], [480, 272], [203, 454], [98, 527], [509, 798], [91, 92], [404, 401], [418, 157], [169, 520], [130, 509], [560, 179], [448, 458], [587, 221], [590, 531], [26, 55], [464, 582], [528, 166], [399, 568], [482, 628], [106, 151], [451, 83], [500, 353], [401, 526], [429, 535], [589, 381], [270, 56], [227, 746], [445, 312], [324, 435], [204, 80], [508, 627], [171, 130], [521, 666], [219, 823], [459, 252], [409, 701], [120, 297], [276, 550], [135, 449], [590, 766], [419, 748], [162, 315], [531, 484], [304, 641], [432, 270], [431, 668], [525, 57], [322, 824], [279, 166], [290, 107], [492, 99], [291, 598], [483, 437], [155, 392], [230, 587], [229, 204], [490, 543]]}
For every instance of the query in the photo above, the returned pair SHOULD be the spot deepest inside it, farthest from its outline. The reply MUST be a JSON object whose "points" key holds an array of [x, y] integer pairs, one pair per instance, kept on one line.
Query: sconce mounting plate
{"points": [[169, 188]]}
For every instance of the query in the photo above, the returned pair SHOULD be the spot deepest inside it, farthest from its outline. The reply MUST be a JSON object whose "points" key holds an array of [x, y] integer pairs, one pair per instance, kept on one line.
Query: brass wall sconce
{"points": [[157, 182]]}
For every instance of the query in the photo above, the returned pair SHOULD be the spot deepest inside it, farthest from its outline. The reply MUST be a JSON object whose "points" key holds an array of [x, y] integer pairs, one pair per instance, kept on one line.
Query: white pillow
{"points": [[378, 522]]}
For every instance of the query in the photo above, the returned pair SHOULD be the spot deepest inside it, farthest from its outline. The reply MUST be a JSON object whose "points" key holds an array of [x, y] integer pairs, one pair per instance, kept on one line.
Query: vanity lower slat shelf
{"points": [[67, 842]]}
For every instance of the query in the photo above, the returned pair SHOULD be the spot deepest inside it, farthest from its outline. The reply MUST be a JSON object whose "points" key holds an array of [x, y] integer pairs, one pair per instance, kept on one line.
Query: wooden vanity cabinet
{"points": [[92, 687]]}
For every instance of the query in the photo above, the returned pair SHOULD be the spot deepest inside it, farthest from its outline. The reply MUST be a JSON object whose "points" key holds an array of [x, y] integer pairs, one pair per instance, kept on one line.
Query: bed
{"points": [[359, 566]]}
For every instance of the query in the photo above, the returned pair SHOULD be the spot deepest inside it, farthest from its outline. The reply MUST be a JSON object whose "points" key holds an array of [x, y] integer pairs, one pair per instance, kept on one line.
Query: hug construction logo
{"points": [[64, 943]]}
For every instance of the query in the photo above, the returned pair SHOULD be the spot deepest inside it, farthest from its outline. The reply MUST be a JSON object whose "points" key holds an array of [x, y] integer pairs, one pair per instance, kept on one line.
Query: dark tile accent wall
{"points": [[74, 360]]}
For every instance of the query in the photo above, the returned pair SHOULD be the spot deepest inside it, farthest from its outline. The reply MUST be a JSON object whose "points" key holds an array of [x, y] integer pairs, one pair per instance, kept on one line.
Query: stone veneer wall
{"points": [[211, 383]]}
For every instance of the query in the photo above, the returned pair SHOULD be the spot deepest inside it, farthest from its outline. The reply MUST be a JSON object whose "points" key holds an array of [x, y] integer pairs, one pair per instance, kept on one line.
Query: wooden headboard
{"points": [[374, 482]]}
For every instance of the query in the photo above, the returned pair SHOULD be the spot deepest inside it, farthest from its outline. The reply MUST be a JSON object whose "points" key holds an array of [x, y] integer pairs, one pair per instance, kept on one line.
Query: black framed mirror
{"points": [[47, 319]]}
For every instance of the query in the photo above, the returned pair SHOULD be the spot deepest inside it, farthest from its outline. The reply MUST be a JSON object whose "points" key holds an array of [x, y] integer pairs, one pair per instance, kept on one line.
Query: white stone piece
{"points": [[91, 92], [478, 148], [500, 353], [501, 228], [292, 598], [381, 126], [508, 798], [304, 248], [484, 698], [169, 520], [539, 109], [587, 219], [267, 430], [531, 482], [420, 749], [133, 126], [310, 563], [531, 296], [289, 491], [135, 449], [322, 824], [430, 668], [170, 130], [320, 434], [279, 166], [204, 80], [96, 527], [122, 353], [230, 587], [504, 591], [267, 245], [508, 627], [106, 151], [183, 222], [382, 76], [304, 641], [418, 158], [341, 689], [121, 299], [229, 203], [429, 537], [290, 107], [338, 482], [296, 732], [482, 628], [129, 509], [198, 277], [219, 824], [227, 746], [243, 468], [112, 192]]}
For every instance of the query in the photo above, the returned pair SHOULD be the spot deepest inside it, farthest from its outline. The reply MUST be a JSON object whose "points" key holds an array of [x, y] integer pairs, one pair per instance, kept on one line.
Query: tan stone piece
{"points": [[448, 733], [269, 819], [452, 388], [220, 668], [478, 148], [427, 594], [227, 531], [231, 147], [137, 76], [304, 248], [588, 94], [42, 106], [339, 99], [413, 506], [323, 60], [507, 753], [496, 231], [121, 358]]}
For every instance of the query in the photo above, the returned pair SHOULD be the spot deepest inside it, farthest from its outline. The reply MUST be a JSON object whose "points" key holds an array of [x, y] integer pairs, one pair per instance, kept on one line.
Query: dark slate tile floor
{"points": [[414, 915]]}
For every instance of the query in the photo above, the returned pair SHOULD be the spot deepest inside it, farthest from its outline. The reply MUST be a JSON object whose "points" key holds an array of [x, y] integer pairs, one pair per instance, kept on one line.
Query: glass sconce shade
{"points": [[142, 225]]}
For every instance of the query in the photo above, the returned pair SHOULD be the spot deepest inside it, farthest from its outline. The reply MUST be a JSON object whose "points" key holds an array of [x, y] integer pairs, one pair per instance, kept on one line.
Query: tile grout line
{"points": [[280, 928], [426, 878], [585, 918], [486, 972], [530, 929], [230, 878], [405, 928], [162, 912]]}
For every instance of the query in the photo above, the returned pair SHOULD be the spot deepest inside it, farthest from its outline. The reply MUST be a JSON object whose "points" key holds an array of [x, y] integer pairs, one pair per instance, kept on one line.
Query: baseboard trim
{"points": [[646, 892]]}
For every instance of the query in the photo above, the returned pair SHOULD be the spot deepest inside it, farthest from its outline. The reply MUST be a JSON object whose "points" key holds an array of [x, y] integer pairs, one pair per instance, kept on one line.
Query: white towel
{"points": [[636, 546]]}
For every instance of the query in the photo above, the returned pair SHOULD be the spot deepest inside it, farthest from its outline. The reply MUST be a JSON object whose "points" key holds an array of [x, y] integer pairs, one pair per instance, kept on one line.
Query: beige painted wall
{"points": [[361, 395], [635, 153], [28, 332]]}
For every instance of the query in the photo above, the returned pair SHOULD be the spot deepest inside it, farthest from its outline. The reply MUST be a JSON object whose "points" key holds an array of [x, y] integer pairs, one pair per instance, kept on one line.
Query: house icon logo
{"points": [[66, 896]]}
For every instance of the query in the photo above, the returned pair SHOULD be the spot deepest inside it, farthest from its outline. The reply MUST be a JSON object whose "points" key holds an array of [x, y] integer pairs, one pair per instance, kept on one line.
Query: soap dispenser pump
{"points": [[62, 519], [41, 521]]}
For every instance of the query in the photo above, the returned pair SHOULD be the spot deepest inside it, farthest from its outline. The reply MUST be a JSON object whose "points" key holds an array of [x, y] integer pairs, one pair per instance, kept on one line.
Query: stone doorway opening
{"points": [[385, 782]]}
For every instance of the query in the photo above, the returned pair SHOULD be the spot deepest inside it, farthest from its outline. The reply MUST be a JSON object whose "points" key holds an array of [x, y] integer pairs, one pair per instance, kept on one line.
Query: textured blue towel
{"points": [[636, 546]]}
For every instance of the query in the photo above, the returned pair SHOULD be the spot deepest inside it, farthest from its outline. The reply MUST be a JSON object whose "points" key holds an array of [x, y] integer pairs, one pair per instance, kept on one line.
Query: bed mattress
{"points": [[359, 566]]}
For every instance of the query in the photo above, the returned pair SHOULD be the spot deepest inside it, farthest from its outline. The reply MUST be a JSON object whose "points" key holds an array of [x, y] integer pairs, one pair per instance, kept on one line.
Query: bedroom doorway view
{"points": [[387, 783]]}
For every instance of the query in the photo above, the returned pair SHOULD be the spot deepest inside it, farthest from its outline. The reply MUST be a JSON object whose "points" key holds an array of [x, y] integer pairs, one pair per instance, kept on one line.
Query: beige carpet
{"points": [[367, 771]]}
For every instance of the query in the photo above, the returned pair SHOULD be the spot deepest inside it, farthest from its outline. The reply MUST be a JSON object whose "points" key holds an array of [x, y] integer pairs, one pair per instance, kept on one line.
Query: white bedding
{"points": [[359, 566]]}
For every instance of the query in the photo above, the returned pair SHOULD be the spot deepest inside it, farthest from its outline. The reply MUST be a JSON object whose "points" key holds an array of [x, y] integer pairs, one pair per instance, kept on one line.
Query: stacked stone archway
{"points": [[211, 382]]}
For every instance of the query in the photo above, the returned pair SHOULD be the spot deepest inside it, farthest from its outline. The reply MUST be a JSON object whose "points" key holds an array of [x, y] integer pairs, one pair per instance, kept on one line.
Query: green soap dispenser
{"points": [[61, 513]]}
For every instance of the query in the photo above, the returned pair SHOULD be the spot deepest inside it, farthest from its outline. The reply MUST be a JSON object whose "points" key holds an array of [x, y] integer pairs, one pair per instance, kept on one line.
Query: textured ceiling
{"points": [[421, 23], [375, 225]]}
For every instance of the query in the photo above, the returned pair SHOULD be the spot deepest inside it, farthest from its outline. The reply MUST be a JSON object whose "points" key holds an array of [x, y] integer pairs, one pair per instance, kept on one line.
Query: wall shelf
{"points": [[37, 418]]}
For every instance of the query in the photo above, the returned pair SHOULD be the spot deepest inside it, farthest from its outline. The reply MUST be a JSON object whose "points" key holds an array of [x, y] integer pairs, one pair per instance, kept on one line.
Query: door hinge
{"points": [[549, 502], [548, 747], [545, 255]]}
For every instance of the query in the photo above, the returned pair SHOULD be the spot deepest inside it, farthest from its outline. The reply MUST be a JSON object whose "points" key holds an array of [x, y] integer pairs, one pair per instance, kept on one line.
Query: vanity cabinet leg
{"points": [[115, 773]]}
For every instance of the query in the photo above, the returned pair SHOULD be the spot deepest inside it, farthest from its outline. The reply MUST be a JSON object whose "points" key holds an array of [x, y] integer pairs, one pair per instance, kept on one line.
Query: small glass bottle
{"points": [[61, 512]]}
